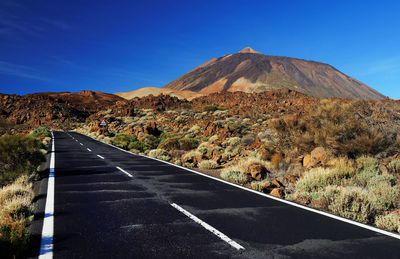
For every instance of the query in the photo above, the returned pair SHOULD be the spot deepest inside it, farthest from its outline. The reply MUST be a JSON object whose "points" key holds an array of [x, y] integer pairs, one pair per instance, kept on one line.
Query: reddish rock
{"points": [[277, 183], [278, 192], [257, 171]]}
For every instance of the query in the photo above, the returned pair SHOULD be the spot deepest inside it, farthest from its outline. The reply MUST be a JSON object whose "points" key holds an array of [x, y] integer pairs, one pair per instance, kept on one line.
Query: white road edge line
{"points": [[208, 227], [89, 149], [46, 244], [100, 156], [349, 221], [125, 172]]}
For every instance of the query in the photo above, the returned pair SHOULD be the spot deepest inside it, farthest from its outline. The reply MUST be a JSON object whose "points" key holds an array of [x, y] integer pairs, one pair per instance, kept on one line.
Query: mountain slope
{"points": [[250, 71], [189, 95]]}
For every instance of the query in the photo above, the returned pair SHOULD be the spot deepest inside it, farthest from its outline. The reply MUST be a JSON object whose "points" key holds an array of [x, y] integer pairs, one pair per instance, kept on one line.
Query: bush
{"points": [[170, 144], [244, 163], [15, 211], [165, 135], [187, 106], [318, 178], [151, 141], [249, 139], [383, 193], [41, 132], [389, 222], [235, 177], [140, 146], [209, 108], [330, 125], [123, 140], [257, 185], [159, 154], [208, 164], [350, 202], [234, 141], [192, 154], [19, 155], [188, 143], [367, 169], [236, 127]]}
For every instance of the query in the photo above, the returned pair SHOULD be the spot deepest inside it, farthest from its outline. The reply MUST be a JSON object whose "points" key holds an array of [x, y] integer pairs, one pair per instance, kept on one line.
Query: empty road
{"points": [[113, 204]]}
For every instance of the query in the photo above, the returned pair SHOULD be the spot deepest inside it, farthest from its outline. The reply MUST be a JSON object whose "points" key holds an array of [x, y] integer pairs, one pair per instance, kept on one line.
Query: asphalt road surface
{"points": [[113, 204]]}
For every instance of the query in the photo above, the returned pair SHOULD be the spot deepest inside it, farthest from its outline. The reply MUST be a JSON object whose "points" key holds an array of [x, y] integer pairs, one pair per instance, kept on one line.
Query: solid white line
{"points": [[125, 172], [374, 229], [208, 227], [100, 156], [46, 244], [89, 149], [81, 144]]}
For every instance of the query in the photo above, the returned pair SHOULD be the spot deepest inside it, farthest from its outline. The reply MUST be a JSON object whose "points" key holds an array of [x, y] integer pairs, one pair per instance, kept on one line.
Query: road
{"points": [[113, 204]]}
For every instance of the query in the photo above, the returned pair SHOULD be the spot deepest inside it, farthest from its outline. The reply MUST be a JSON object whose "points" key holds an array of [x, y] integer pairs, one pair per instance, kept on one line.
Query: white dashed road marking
{"points": [[125, 172], [81, 144], [89, 149], [100, 156], [208, 227]]}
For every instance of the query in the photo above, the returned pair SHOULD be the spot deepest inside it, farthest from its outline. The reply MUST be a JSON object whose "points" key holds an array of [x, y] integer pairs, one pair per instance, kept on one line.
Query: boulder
{"points": [[318, 157], [257, 171], [267, 186], [278, 192]]}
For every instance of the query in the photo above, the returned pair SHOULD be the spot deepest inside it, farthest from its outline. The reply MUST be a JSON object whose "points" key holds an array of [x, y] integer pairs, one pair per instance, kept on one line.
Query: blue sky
{"points": [[114, 46]]}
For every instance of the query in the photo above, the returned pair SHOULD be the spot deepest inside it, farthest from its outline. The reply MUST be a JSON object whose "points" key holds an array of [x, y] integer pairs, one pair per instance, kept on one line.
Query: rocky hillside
{"points": [[50, 108], [252, 72]]}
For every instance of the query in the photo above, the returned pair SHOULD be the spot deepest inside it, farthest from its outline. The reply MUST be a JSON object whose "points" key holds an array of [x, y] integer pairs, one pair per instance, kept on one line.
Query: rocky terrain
{"points": [[252, 72], [58, 109]]}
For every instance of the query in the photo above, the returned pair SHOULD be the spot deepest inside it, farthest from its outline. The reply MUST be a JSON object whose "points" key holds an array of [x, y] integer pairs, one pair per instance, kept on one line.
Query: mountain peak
{"points": [[248, 50]]}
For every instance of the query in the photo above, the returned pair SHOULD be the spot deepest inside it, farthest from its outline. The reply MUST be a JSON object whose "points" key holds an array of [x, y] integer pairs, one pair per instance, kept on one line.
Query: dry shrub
{"points": [[350, 202], [159, 154], [331, 125], [383, 192], [208, 164], [367, 168], [170, 144], [318, 178], [15, 210], [188, 143], [243, 164], [389, 222], [235, 177]]}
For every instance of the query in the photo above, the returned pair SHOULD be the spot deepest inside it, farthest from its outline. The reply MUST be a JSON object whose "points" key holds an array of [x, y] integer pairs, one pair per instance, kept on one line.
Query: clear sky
{"points": [[114, 46]]}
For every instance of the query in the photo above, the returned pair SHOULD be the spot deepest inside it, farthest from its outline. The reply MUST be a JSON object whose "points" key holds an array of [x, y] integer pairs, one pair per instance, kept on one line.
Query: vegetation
{"points": [[187, 106], [19, 155], [208, 164], [41, 132], [16, 212], [331, 125], [159, 154], [235, 177], [211, 108], [123, 140]]}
